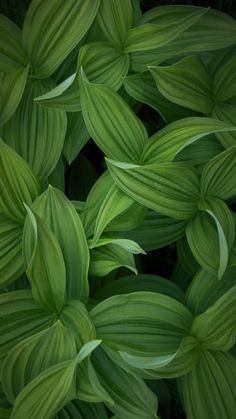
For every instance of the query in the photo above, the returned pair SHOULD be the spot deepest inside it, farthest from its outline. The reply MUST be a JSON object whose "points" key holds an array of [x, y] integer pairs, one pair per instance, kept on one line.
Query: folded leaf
{"points": [[111, 122], [115, 18], [168, 188], [44, 263], [17, 184], [12, 55], [42, 144], [59, 214], [52, 30], [11, 90], [219, 175], [34, 355], [186, 83], [208, 391], [144, 324], [167, 143]]}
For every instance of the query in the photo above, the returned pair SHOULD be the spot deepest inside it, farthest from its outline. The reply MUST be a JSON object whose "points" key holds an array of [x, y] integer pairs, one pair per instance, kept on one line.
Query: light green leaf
{"points": [[149, 36], [168, 188], [44, 263], [142, 323], [224, 81], [156, 231], [11, 261], [52, 29], [12, 55], [186, 83], [20, 318], [12, 86], [59, 214], [213, 395], [219, 175], [111, 122], [132, 397], [115, 239], [34, 355], [76, 318], [215, 328], [165, 145], [76, 136], [103, 63], [115, 18], [210, 235], [17, 184], [41, 143], [128, 219], [143, 88]]}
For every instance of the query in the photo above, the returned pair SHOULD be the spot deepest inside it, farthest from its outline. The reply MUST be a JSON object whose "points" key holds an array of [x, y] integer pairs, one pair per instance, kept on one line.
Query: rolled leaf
{"points": [[44, 263], [52, 30]]}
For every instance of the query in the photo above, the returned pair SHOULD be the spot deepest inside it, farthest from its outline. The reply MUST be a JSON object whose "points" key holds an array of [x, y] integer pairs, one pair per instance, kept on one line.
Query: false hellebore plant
{"points": [[80, 338]]}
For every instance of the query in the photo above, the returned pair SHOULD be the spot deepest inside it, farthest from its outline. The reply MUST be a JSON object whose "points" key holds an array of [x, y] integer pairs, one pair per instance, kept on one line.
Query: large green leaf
{"points": [[226, 112], [46, 394], [210, 235], [11, 261], [36, 133], [111, 122], [167, 143], [224, 81], [34, 355], [149, 36], [12, 86], [214, 30], [156, 231], [132, 398], [215, 328], [144, 324], [77, 409], [171, 189], [219, 175], [18, 184], [208, 391], [12, 55], [186, 83], [115, 19], [20, 318], [52, 29], [59, 214], [44, 263]]}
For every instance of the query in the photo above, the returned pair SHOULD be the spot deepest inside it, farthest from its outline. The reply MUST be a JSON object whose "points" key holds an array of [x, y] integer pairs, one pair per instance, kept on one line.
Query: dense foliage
{"points": [[117, 168]]}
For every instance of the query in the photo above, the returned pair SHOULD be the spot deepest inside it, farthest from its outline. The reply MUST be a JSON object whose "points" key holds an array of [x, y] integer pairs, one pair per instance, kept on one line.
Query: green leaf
{"points": [[186, 83], [12, 55], [149, 36], [208, 391], [125, 244], [210, 235], [224, 81], [11, 261], [168, 188], [103, 63], [59, 214], [226, 112], [219, 175], [156, 231], [119, 133], [20, 318], [167, 143], [186, 261], [34, 355], [205, 289], [11, 90], [215, 328], [77, 409], [52, 30], [143, 88], [115, 19], [76, 136], [132, 397], [144, 324], [17, 184], [76, 318], [44, 263], [42, 144]]}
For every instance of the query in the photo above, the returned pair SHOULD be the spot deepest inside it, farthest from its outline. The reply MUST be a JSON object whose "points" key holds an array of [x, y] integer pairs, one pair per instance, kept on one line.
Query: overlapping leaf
{"points": [[12, 55]]}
